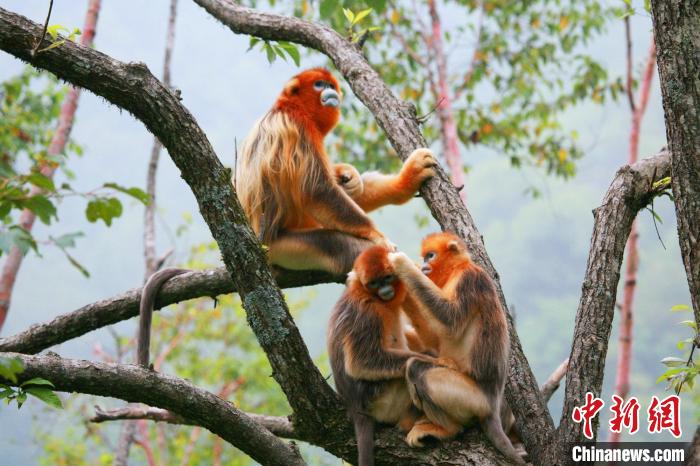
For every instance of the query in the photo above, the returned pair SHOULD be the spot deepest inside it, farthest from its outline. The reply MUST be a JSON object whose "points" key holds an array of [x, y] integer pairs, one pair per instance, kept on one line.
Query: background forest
{"points": [[538, 101]]}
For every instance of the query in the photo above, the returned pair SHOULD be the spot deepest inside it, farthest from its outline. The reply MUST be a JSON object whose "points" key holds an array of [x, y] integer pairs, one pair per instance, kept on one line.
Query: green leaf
{"points": [[673, 362], [42, 207], [680, 307], [41, 181], [136, 193], [292, 51], [46, 395], [6, 392], [104, 209], [271, 56], [21, 398], [349, 15], [361, 15], [67, 240], [689, 323], [10, 367], [19, 237], [76, 264], [37, 381]]}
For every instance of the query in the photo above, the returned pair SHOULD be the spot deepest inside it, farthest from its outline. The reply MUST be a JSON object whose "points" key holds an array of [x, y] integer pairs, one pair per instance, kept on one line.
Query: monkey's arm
{"points": [[334, 209], [441, 311], [424, 334], [375, 190], [367, 354]]}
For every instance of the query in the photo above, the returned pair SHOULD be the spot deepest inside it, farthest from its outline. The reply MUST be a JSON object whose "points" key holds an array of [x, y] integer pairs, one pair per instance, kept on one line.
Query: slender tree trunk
{"points": [[58, 143], [129, 428], [448, 126], [677, 33], [622, 376]]}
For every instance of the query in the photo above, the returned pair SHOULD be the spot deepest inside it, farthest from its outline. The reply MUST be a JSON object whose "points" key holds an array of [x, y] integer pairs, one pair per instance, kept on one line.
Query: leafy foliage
{"points": [[681, 372], [54, 31], [514, 68], [29, 110], [37, 387]]}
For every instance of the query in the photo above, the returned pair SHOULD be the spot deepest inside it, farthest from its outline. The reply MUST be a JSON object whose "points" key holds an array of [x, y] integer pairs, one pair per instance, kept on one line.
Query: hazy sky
{"points": [[538, 246]]}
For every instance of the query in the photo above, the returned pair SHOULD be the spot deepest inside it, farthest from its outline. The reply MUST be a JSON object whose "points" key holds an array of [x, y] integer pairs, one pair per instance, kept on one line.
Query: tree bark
{"points": [[398, 120], [131, 86], [136, 384], [14, 258], [631, 190], [677, 34], [195, 284]]}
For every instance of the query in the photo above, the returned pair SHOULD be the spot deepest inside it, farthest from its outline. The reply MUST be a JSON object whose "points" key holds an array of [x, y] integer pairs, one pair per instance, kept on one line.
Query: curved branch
{"points": [[630, 191], [131, 86], [398, 120], [195, 284], [136, 384]]}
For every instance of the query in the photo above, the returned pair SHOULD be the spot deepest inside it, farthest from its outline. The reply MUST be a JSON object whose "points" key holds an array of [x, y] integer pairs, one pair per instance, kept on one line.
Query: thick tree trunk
{"points": [[677, 33]]}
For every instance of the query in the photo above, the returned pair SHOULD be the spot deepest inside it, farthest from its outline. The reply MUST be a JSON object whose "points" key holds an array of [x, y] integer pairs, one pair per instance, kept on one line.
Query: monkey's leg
{"points": [[449, 399], [328, 250], [423, 428]]}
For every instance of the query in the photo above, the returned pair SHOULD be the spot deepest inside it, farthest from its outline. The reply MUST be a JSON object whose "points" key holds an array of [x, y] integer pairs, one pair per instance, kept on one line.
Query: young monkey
{"points": [[368, 350], [462, 315]]}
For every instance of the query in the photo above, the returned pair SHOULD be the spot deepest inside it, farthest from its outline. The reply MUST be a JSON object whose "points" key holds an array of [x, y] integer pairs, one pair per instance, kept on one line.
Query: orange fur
{"points": [[449, 265]]}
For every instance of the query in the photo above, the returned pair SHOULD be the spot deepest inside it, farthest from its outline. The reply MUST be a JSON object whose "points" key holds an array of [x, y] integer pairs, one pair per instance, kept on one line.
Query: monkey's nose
{"points": [[386, 293], [330, 98]]}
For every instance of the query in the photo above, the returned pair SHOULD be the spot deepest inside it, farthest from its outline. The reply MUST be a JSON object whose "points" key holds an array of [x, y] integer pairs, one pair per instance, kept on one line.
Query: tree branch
{"points": [[630, 191], [552, 384], [196, 284], [398, 120], [136, 384], [131, 86]]}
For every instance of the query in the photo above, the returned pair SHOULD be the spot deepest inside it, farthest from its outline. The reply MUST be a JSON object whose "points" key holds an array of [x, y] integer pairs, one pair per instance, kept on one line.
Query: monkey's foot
{"points": [[423, 430]]}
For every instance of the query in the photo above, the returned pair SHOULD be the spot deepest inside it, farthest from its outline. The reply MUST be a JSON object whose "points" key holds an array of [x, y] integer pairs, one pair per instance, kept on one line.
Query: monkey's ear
{"points": [[292, 87], [453, 246], [352, 276]]}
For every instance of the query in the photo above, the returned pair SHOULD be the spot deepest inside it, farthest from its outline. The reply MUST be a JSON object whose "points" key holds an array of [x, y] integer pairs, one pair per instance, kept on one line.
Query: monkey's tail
{"points": [[493, 429], [364, 434], [148, 299]]}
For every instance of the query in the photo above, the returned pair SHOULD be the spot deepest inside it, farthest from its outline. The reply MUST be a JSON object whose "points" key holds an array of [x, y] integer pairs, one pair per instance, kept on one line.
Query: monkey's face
{"points": [[441, 251], [374, 272], [318, 93]]}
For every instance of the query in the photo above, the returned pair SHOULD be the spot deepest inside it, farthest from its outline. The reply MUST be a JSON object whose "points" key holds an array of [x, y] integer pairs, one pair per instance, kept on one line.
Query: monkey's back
{"points": [[351, 319]]}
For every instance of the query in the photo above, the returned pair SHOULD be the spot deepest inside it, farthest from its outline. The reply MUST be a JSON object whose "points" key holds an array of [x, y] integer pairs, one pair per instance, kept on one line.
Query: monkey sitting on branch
{"points": [[368, 350], [293, 196], [457, 303]]}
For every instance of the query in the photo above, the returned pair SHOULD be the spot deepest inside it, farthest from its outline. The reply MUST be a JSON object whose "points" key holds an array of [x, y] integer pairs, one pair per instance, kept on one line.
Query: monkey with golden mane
{"points": [[295, 199], [310, 214], [368, 350], [457, 304]]}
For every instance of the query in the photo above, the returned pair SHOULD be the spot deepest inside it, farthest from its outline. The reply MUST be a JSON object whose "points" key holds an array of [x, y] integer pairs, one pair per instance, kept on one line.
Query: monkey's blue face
{"points": [[383, 287], [427, 259], [329, 96]]}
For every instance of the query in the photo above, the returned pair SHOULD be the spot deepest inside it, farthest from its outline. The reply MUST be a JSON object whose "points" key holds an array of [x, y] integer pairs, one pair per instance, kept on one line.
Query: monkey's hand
{"points": [[349, 179], [418, 167], [401, 263]]}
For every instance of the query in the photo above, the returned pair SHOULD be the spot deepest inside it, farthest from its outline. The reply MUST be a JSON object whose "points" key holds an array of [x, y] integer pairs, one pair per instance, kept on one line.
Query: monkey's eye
{"points": [[373, 285], [389, 279], [430, 256], [319, 85]]}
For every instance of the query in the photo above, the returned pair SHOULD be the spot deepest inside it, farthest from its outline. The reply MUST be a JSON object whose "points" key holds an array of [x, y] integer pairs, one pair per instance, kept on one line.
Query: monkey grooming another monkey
{"points": [[457, 301]]}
